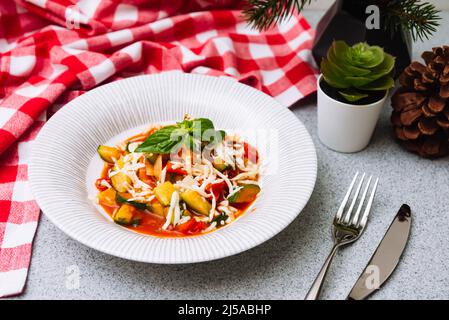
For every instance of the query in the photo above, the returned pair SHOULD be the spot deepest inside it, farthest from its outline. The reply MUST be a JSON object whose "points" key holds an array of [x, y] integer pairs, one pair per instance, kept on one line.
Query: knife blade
{"points": [[385, 258]]}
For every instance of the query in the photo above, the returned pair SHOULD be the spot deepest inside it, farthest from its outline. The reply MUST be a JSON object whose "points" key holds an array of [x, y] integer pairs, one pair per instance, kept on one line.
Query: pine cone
{"points": [[421, 105]]}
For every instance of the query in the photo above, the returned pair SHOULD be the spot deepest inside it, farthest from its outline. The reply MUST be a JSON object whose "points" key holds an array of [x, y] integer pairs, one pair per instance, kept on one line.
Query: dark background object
{"points": [[373, 96], [345, 20]]}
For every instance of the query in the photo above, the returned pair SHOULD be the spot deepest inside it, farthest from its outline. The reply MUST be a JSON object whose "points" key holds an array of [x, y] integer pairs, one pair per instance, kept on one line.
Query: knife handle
{"points": [[318, 283]]}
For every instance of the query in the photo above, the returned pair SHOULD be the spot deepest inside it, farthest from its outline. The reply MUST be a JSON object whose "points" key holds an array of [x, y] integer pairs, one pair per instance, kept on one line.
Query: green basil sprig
{"points": [[191, 133], [222, 217]]}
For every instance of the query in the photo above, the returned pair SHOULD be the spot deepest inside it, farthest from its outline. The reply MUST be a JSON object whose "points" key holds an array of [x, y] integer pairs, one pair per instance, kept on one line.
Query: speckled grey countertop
{"points": [[285, 266]]}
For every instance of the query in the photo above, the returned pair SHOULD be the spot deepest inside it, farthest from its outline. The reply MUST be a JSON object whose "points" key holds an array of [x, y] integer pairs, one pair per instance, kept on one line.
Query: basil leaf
{"points": [[161, 141], [188, 132], [222, 134], [200, 126], [136, 222], [208, 133], [185, 124], [190, 143], [222, 217], [167, 147], [214, 136]]}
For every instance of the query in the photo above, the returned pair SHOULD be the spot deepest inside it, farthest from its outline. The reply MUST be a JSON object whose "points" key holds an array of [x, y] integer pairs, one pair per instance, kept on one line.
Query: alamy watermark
{"points": [[72, 277], [372, 281], [72, 17], [373, 19]]}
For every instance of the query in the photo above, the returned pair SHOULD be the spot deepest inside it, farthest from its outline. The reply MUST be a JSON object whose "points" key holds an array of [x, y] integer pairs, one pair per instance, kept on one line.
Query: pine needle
{"points": [[262, 14], [420, 18]]}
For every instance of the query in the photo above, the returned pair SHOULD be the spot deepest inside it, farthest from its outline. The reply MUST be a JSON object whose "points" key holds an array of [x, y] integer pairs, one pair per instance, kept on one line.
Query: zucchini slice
{"points": [[196, 202], [122, 197], [157, 208], [247, 194], [164, 192], [107, 198], [108, 154], [220, 165], [124, 215], [120, 181], [151, 157]]}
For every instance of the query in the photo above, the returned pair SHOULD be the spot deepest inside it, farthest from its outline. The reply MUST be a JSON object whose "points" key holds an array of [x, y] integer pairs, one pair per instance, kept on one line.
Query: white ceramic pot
{"points": [[346, 127]]}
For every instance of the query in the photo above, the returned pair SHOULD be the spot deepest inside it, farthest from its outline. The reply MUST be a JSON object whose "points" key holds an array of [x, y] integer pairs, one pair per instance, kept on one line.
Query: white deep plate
{"points": [[65, 164]]}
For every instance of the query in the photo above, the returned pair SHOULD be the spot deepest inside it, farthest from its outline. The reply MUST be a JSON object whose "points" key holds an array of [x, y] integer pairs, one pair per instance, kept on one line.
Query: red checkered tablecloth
{"points": [[51, 51]]}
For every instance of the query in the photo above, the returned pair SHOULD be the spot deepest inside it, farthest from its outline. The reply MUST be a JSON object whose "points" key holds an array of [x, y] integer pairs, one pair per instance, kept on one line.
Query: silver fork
{"points": [[348, 226]]}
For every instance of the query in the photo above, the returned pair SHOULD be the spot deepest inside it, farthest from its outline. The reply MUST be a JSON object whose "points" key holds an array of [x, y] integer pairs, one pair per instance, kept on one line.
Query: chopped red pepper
{"points": [[199, 226], [170, 169], [150, 180], [191, 226], [250, 152], [232, 173], [187, 226], [216, 188], [99, 184]]}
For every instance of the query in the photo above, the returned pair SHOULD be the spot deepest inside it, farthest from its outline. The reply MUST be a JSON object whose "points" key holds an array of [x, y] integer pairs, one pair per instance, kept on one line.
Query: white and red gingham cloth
{"points": [[51, 51]]}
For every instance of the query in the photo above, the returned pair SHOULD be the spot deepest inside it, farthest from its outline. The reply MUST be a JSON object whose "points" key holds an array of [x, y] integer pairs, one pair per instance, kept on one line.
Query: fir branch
{"points": [[262, 14], [420, 18]]}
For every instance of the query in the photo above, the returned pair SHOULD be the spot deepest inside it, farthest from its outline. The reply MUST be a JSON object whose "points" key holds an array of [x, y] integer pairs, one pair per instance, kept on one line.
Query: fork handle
{"points": [[318, 283]]}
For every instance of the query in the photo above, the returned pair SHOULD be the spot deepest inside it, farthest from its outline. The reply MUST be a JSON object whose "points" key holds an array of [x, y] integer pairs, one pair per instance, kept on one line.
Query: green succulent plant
{"points": [[358, 70]]}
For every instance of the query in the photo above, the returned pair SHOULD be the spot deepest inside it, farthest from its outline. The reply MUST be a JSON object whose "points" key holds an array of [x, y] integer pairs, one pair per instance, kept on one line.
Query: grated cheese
{"points": [[249, 182], [246, 175], [184, 219], [214, 204], [225, 179], [163, 173], [133, 146], [104, 183], [211, 227], [234, 191], [174, 203]]}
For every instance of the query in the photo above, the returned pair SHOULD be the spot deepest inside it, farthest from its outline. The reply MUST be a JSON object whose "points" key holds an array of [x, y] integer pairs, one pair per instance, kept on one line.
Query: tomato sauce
{"points": [[151, 224]]}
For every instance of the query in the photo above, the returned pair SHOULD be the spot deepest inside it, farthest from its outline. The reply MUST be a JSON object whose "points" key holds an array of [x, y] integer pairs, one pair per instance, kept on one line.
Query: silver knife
{"points": [[385, 258]]}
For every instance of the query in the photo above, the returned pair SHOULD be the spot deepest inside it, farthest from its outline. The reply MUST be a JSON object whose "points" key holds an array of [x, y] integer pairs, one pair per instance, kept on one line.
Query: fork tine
{"points": [[345, 199], [368, 206], [348, 214], [355, 219]]}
